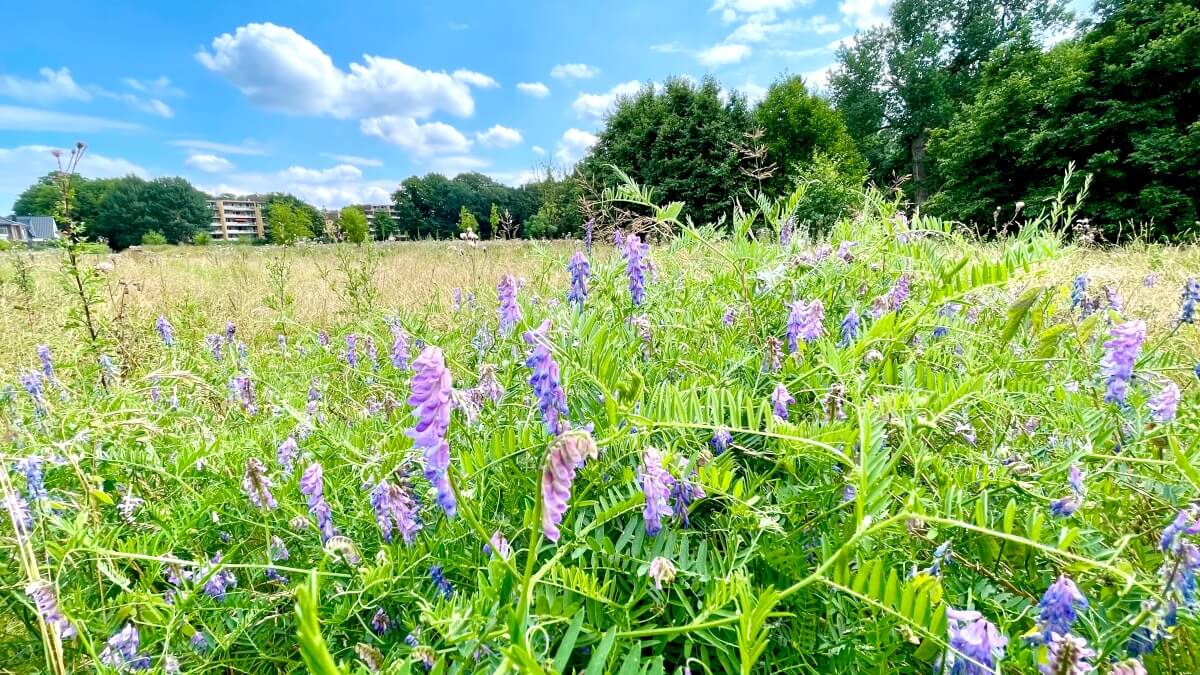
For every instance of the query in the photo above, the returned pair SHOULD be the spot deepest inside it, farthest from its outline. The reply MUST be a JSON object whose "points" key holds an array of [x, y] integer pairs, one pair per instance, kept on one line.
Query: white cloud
{"points": [[332, 187], [723, 54], [577, 71], [728, 15], [752, 91], [764, 8], [421, 140], [277, 68], [538, 150], [670, 48], [573, 145], [18, 118], [158, 88], [595, 106], [499, 137], [517, 178], [864, 14], [22, 165], [341, 172], [55, 85], [152, 106], [208, 163], [817, 79], [353, 159], [755, 30], [534, 89], [246, 148], [475, 79]]}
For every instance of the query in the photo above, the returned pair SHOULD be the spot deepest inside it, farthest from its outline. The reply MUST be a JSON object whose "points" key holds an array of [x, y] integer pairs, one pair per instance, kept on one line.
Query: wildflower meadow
{"points": [[882, 447]]}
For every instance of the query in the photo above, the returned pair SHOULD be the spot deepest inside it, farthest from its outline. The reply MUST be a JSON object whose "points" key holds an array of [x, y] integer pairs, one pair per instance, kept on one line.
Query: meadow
{"points": [[887, 448]]}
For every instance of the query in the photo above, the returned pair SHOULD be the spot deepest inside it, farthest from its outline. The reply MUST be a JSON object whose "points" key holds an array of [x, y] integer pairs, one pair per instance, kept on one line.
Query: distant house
{"points": [[28, 229]]}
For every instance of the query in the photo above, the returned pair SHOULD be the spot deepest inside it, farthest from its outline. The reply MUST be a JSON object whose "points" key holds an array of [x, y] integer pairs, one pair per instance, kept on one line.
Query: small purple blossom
{"points": [[781, 398], [1189, 298], [568, 452], [656, 484], [213, 342], [18, 511], [381, 623], [242, 388], [230, 332], [729, 316], [787, 229], [121, 650], [43, 352], [1059, 607], [1121, 352], [804, 323], [1065, 506], [32, 382], [844, 253], [636, 265], [509, 311], [580, 270], [35, 484], [850, 326], [441, 582], [312, 486], [1079, 291], [257, 485], [588, 229], [545, 379], [46, 601], [165, 330], [352, 350], [395, 508], [1067, 655], [430, 399], [975, 644], [1164, 404], [399, 351], [199, 642], [498, 545], [286, 453], [720, 441], [220, 581]]}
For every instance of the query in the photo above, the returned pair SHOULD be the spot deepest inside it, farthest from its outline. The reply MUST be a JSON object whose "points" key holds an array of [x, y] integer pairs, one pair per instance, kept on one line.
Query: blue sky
{"points": [[338, 102]]}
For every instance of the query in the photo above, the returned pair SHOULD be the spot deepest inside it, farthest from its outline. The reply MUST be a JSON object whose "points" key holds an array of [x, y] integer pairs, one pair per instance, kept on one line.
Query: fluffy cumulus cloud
{"points": [[279, 69], [420, 140], [818, 78], [755, 30], [499, 137], [534, 89], [246, 148], [723, 54], [595, 106], [20, 118], [538, 150], [332, 187], [573, 145], [862, 14], [208, 163], [574, 71], [22, 165], [353, 159], [731, 9], [54, 86], [753, 91]]}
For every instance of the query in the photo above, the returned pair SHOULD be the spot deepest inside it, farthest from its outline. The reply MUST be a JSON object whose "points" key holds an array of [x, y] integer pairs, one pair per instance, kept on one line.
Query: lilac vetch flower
{"points": [[618, 239], [1128, 667], [568, 452], [165, 330], [456, 299], [399, 350], [729, 316], [243, 392], [580, 270], [1163, 404], [684, 492], [975, 644], [257, 485], [1075, 479], [35, 484], [1079, 291], [395, 508], [352, 350], [509, 311], [32, 382], [219, 582], [372, 353], [588, 229], [46, 602], [773, 358], [18, 511], [199, 642], [441, 582], [430, 398], [381, 623], [545, 380], [230, 332], [213, 342], [1065, 506], [781, 398], [121, 650], [43, 352], [489, 386], [720, 441], [498, 545], [662, 571], [843, 251], [323, 338], [1059, 607], [656, 484], [282, 341], [804, 323], [1113, 296], [1121, 352], [787, 230], [1068, 655], [277, 549], [635, 253], [107, 368], [1184, 524], [966, 432], [1191, 296], [286, 453], [312, 486], [850, 326]]}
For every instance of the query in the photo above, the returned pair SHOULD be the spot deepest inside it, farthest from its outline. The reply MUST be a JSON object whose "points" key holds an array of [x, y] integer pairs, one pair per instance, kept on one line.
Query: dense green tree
{"points": [[429, 206], [896, 83], [42, 198], [39, 199], [352, 223], [1122, 101], [797, 124], [558, 215], [288, 224], [385, 226], [133, 207], [467, 221], [679, 138], [310, 214]]}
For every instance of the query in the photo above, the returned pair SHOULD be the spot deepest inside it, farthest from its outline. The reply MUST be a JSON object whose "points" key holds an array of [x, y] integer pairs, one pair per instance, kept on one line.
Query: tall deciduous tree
{"points": [[797, 124], [353, 224], [134, 207], [287, 223], [385, 226]]}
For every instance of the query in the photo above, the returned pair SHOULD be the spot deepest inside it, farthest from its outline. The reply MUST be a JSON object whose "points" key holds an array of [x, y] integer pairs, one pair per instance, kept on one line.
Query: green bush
{"points": [[832, 189], [154, 238], [201, 239]]}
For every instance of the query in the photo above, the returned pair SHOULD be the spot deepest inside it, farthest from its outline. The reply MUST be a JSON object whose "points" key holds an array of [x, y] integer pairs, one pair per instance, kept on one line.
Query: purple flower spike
{"points": [[352, 350], [165, 331], [850, 326], [286, 455], [804, 323], [1059, 606], [43, 352], [1121, 352], [44, 598], [381, 623], [1164, 404], [720, 440], [312, 486], [566, 455], [636, 265], [399, 345], [257, 485], [242, 388], [975, 644], [35, 484], [395, 508], [545, 380], [781, 398], [580, 270], [430, 399], [656, 484], [121, 650], [1191, 296], [1068, 654], [509, 311], [219, 582]]}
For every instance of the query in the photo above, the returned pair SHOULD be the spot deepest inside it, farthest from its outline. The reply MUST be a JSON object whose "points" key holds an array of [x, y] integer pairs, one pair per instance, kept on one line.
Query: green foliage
{"points": [[154, 238], [559, 214], [1119, 101], [352, 223], [467, 222], [385, 226], [798, 125], [202, 238], [429, 206], [830, 191], [133, 207], [287, 224], [681, 138]]}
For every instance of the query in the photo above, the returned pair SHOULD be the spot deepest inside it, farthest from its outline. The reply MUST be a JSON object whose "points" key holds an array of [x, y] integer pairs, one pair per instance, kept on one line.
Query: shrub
{"points": [[154, 238]]}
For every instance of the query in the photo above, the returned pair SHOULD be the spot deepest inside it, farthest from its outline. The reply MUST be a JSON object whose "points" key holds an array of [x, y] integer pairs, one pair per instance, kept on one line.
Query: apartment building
{"points": [[236, 218], [371, 209]]}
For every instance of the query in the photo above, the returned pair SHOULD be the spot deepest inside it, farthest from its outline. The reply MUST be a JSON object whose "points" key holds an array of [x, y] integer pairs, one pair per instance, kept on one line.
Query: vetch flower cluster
{"points": [[46, 602], [568, 452], [656, 484], [1164, 404], [975, 644], [1121, 352], [395, 508], [165, 331], [804, 323], [636, 265], [121, 650], [509, 311], [580, 270], [312, 486], [1068, 505], [781, 398], [662, 571], [545, 379], [430, 399], [1189, 299], [257, 485]]}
